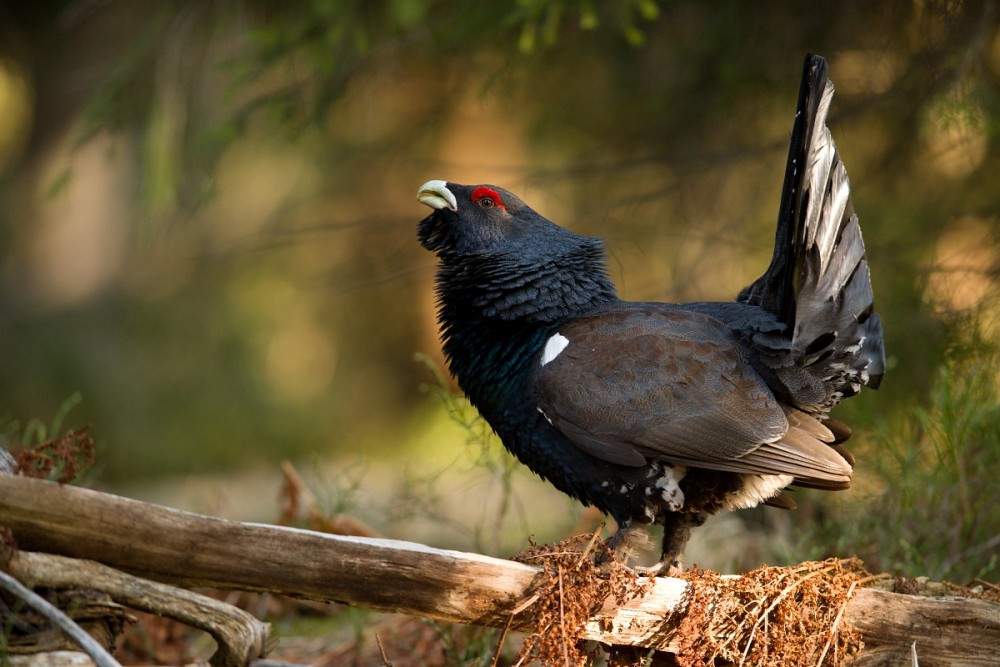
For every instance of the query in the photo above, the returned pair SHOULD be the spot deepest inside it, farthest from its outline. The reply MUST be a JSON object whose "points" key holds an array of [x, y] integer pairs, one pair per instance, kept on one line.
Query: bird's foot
{"points": [[660, 570], [626, 542]]}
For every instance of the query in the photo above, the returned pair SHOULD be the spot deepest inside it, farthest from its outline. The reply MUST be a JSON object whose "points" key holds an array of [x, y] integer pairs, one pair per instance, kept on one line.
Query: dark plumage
{"points": [[654, 412]]}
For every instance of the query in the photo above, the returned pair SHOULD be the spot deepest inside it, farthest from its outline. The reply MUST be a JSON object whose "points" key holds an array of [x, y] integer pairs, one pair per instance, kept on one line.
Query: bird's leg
{"points": [[626, 540], [676, 533], [619, 543]]}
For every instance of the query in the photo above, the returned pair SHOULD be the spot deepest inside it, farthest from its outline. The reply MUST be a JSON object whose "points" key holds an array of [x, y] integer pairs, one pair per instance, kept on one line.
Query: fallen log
{"points": [[182, 548], [239, 636]]}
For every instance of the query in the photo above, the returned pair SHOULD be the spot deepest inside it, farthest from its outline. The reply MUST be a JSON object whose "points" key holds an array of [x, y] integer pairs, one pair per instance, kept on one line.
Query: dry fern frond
{"points": [[578, 575], [770, 616]]}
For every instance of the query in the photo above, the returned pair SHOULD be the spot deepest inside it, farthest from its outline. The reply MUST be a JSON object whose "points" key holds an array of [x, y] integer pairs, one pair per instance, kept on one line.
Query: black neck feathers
{"points": [[497, 311]]}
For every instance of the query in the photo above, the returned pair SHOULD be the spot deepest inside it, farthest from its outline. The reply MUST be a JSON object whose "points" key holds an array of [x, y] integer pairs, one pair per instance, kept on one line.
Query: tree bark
{"points": [[188, 549], [240, 637]]}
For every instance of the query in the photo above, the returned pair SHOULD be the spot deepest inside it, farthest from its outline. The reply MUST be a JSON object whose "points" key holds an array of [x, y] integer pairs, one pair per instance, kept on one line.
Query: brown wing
{"points": [[642, 383]]}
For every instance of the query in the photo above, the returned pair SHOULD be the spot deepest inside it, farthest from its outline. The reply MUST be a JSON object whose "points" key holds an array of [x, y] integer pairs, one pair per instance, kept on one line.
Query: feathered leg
{"points": [[676, 533]]}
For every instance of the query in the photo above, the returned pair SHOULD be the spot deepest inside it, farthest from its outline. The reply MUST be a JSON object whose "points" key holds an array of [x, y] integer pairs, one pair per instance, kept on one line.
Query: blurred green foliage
{"points": [[15, 436], [928, 499], [207, 216], [47, 450]]}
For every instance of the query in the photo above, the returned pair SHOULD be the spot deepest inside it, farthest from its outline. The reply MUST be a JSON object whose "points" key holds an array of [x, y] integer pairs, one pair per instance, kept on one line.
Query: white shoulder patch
{"points": [[553, 347]]}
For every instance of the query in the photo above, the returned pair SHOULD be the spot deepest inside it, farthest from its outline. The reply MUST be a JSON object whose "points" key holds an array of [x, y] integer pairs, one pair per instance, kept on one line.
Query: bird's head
{"points": [[485, 220], [492, 246], [472, 219]]}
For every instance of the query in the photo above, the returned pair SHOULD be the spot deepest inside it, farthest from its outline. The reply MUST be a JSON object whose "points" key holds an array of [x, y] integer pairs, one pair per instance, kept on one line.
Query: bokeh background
{"points": [[207, 235]]}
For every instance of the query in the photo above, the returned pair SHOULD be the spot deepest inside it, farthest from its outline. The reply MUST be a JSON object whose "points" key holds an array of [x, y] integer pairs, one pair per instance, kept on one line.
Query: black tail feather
{"points": [[774, 290], [818, 282]]}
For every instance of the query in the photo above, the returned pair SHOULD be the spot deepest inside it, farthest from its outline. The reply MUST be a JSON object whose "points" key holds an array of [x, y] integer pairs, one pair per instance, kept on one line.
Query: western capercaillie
{"points": [[656, 412]]}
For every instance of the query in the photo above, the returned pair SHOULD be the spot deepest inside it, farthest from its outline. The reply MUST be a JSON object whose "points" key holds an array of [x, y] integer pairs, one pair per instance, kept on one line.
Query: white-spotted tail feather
{"points": [[818, 283]]}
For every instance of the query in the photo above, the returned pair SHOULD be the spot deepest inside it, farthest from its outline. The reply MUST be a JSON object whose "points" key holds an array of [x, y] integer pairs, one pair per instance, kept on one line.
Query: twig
{"points": [[983, 582], [89, 645], [562, 620], [381, 651], [499, 647], [874, 577], [528, 601], [753, 633], [590, 545], [836, 624], [547, 555]]}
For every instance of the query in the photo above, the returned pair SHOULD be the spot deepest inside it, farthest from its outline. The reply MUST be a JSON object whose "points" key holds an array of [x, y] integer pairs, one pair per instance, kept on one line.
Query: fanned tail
{"points": [[818, 282]]}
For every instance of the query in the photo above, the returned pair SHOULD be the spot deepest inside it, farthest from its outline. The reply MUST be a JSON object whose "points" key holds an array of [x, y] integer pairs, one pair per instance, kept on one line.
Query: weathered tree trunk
{"points": [[187, 549]]}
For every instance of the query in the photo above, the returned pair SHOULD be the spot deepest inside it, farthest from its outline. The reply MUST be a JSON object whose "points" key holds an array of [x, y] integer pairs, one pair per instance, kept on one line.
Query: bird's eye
{"points": [[487, 198]]}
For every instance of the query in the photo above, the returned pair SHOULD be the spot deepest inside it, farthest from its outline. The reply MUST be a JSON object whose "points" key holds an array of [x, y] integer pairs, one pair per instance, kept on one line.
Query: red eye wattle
{"points": [[487, 198]]}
